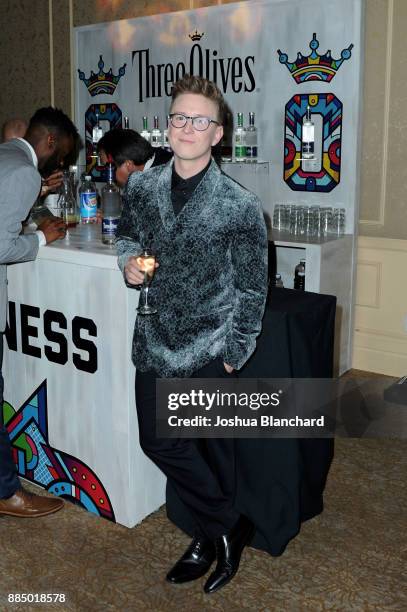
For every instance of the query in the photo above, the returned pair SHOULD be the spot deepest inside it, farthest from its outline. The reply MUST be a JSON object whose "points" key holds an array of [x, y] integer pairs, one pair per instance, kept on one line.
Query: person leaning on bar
{"points": [[16, 128], [130, 153], [210, 289], [50, 137]]}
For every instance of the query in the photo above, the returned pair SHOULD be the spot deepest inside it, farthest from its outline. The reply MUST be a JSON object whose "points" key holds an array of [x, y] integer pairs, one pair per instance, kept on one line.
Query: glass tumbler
{"points": [[308, 221], [297, 221], [338, 221], [326, 213], [67, 201], [278, 217], [317, 221], [286, 217]]}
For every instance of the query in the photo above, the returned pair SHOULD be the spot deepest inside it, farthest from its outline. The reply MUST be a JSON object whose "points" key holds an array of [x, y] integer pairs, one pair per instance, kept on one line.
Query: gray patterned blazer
{"points": [[210, 287], [20, 184]]}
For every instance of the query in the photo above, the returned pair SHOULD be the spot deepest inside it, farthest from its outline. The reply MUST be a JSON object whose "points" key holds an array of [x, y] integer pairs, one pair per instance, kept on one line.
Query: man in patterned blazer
{"points": [[209, 289], [50, 137]]}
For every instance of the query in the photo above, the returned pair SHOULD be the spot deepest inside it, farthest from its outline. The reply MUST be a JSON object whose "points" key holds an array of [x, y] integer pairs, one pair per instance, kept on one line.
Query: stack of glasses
{"points": [[309, 221]]}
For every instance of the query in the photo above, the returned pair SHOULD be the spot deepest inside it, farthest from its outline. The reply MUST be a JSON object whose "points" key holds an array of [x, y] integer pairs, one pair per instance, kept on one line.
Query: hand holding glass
{"points": [[146, 263]]}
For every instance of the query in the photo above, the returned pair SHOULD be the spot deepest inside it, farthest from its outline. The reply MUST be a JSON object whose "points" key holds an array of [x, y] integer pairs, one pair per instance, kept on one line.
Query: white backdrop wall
{"points": [[238, 48]]}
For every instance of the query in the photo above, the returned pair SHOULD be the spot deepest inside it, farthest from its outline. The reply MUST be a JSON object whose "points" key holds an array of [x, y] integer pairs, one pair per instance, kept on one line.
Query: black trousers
{"points": [[9, 482], [202, 471]]}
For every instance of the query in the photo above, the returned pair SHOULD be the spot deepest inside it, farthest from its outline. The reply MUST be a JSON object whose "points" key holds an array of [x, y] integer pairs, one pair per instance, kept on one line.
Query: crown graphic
{"points": [[102, 82], [314, 67], [195, 35]]}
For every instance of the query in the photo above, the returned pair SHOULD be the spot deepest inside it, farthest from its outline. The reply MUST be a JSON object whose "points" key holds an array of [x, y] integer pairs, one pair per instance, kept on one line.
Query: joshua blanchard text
{"points": [[235, 421]]}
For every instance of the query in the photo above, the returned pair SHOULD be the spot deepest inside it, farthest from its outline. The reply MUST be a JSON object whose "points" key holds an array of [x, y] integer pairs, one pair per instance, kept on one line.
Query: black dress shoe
{"points": [[229, 549], [195, 561]]}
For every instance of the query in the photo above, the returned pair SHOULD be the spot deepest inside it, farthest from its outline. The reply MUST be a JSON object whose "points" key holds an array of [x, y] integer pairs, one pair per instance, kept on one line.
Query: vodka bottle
{"points": [[88, 200], [251, 140], [126, 123], [279, 282], [97, 134], [156, 135], [308, 136], [111, 208], [145, 133], [301, 281], [299, 276], [239, 139], [166, 142], [97, 131]]}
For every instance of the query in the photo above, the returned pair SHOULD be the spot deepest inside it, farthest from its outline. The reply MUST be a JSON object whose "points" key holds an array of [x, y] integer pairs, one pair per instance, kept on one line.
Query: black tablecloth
{"points": [[280, 482]]}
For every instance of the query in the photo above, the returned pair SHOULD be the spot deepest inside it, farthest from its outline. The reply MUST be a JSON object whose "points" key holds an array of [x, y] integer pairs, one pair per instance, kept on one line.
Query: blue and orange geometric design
{"points": [[107, 112], [314, 67], [102, 82], [37, 461], [330, 109]]}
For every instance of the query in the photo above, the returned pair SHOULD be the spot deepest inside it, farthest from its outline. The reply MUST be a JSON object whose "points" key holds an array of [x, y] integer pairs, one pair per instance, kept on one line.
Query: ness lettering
{"points": [[230, 74], [55, 329]]}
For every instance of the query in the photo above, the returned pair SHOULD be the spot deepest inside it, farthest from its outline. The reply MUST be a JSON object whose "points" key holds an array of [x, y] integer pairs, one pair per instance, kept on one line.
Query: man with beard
{"points": [[50, 137]]}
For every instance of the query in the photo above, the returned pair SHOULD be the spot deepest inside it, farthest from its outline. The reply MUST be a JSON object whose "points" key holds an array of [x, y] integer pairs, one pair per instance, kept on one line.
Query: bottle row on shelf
{"points": [[245, 140], [155, 137], [243, 149], [245, 146]]}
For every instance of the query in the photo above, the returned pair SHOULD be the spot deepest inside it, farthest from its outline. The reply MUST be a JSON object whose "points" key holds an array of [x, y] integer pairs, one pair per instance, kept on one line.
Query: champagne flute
{"points": [[146, 263]]}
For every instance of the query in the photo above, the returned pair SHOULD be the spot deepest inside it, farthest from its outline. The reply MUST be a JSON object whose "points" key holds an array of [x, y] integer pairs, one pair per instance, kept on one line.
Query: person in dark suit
{"points": [[131, 152], [210, 290], [50, 137]]}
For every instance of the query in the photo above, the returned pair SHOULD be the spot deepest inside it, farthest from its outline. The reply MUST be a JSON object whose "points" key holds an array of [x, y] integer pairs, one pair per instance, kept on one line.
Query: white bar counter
{"points": [[69, 376], [68, 373]]}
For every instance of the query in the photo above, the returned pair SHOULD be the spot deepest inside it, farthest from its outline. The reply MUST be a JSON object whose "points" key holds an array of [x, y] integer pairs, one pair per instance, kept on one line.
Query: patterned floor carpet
{"points": [[352, 557]]}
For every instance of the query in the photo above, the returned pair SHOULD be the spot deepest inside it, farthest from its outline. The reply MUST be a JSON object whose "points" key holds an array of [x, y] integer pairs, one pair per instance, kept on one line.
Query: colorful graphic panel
{"points": [[314, 67], [58, 472], [107, 112], [328, 176], [102, 82]]}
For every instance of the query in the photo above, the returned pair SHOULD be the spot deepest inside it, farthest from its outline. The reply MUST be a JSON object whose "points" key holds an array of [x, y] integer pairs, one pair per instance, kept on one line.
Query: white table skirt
{"points": [[71, 321]]}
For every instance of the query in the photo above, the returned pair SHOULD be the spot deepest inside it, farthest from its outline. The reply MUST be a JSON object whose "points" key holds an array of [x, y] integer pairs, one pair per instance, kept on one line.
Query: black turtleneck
{"points": [[182, 189]]}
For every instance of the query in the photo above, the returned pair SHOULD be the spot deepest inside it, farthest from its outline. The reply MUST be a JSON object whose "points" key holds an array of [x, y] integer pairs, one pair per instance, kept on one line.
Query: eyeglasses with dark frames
{"points": [[179, 120]]}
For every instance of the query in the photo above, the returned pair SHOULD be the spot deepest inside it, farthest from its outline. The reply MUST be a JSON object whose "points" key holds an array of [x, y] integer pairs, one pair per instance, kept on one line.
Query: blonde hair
{"points": [[198, 85]]}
